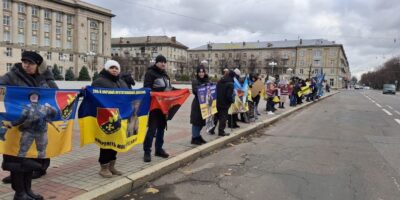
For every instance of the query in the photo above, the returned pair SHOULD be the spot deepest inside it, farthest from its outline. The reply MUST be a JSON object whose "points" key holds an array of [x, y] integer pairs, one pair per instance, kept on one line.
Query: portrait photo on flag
{"points": [[36, 122]]}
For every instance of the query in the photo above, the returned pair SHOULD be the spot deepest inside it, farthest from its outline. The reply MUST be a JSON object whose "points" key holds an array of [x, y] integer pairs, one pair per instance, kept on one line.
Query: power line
{"points": [[252, 31]]}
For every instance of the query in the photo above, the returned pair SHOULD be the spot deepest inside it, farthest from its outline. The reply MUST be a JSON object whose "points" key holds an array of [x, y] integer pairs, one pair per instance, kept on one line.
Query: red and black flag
{"points": [[169, 102]]}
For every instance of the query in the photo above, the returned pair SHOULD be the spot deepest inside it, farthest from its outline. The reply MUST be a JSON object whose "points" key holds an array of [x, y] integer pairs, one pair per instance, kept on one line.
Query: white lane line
{"points": [[396, 183], [378, 105], [387, 112], [397, 112], [397, 120], [389, 107], [373, 101]]}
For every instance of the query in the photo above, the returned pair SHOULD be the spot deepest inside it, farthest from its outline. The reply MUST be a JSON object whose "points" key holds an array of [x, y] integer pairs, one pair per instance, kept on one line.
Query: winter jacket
{"points": [[157, 80], [127, 77], [18, 77], [195, 114], [106, 80], [225, 92]]}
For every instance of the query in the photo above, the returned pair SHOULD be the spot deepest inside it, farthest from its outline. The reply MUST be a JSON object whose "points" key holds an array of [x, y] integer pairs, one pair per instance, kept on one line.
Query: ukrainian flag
{"points": [[114, 118]]}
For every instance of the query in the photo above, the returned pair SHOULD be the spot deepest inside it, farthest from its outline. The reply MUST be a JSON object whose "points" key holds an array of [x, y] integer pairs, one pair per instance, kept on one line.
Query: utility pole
{"points": [[309, 72]]}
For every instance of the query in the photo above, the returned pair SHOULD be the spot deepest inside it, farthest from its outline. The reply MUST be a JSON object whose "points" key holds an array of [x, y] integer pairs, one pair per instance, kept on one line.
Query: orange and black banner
{"points": [[169, 102]]}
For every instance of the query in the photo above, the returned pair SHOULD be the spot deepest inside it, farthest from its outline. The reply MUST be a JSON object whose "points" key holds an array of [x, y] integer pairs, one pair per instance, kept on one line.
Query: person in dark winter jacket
{"points": [[31, 72], [224, 101], [109, 78], [128, 78], [196, 119], [157, 80]]}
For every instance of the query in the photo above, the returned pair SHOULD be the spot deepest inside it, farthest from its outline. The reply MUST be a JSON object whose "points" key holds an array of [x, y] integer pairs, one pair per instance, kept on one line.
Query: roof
{"points": [[147, 40], [268, 44]]}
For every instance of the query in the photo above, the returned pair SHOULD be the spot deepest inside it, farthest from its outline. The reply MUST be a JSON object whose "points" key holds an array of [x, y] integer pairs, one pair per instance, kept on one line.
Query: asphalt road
{"points": [[344, 147]]}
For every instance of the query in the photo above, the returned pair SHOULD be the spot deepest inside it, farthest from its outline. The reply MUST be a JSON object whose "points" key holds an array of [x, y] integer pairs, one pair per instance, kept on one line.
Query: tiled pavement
{"points": [[76, 172]]}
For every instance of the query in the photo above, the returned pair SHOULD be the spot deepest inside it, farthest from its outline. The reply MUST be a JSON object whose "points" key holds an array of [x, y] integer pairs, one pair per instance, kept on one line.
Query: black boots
{"points": [[21, 183], [161, 153], [198, 141], [147, 157]]}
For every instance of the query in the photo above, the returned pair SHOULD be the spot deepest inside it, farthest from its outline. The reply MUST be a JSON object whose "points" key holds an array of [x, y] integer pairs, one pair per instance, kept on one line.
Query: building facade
{"points": [[137, 53], [67, 33], [303, 58]]}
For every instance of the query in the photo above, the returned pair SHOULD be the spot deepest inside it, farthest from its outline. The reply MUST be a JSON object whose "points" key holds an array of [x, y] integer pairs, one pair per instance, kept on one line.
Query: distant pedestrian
{"points": [[129, 78]]}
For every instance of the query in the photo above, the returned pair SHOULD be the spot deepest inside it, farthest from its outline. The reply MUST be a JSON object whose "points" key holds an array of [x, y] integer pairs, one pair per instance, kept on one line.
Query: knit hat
{"points": [[204, 62], [111, 63], [32, 56], [161, 58], [237, 71]]}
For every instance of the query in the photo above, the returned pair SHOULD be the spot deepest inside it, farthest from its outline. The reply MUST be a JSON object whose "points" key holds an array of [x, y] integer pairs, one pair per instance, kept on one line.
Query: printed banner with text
{"points": [[114, 118]]}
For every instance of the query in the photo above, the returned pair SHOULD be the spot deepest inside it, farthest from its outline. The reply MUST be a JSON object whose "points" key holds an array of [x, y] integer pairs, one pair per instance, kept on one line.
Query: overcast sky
{"points": [[368, 29]]}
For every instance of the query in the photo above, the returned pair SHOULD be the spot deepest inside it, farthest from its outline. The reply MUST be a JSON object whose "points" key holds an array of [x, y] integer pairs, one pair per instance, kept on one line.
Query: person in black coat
{"points": [[157, 79], [224, 101], [109, 78], [196, 119], [128, 78], [31, 72]]}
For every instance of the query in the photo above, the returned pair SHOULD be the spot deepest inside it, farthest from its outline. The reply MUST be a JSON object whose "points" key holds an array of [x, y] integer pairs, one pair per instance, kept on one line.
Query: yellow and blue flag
{"points": [[36, 122], [114, 118]]}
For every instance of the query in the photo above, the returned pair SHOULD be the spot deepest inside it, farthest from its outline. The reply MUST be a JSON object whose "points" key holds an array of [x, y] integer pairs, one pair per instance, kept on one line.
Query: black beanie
{"points": [[200, 67], [32, 56], [161, 58]]}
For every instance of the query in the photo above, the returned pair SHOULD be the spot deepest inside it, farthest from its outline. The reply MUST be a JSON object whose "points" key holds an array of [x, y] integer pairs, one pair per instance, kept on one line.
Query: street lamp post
{"points": [[272, 64]]}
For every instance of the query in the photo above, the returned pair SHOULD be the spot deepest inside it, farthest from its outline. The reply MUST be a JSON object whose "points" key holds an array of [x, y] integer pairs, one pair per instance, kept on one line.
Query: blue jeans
{"points": [[148, 141], [196, 131]]}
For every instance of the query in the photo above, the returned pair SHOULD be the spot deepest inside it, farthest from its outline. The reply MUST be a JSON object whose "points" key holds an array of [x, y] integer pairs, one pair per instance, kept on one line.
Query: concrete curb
{"points": [[126, 184]]}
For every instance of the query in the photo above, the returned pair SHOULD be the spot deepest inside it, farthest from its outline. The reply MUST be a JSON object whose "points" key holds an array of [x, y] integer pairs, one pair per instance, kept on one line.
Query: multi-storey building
{"points": [[137, 53], [68, 33], [303, 58]]}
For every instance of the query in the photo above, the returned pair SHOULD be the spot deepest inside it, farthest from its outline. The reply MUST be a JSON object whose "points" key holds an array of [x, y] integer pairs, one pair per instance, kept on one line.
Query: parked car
{"points": [[366, 88], [357, 87], [389, 89]]}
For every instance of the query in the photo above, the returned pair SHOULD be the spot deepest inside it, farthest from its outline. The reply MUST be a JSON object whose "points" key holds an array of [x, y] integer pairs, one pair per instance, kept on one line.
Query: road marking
{"points": [[389, 107], [397, 120], [378, 105], [387, 112], [397, 112], [373, 101]]}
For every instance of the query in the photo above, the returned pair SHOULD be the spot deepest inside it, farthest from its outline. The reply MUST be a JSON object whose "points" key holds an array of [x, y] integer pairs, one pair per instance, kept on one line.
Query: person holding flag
{"points": [[157, 79], [109, 78], [196, 119], [31, 72]]}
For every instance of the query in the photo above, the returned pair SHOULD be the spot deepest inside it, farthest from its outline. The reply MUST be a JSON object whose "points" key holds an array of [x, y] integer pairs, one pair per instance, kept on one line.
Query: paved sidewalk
{"points": [[76, 173]]}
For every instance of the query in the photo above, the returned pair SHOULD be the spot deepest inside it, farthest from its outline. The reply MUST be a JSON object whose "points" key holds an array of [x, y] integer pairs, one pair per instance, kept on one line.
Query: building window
{"points": [[47, 14], [216, 55], [46, 41], [48, 55], [34, 26], [58, 43], [230, 55], [6, 36], [93, 36], [245, 55], [317, 53], [190, 55], [331, 82], [9, 66], [6, 20], [9, 52], [302, 63], [35, 11], [93, 24], [34, 40], [21, 38], [69, 33], [7, 4], [70, 19], [332, 71], [59, 17], [69, 45], [301, 71], [316, 71], [71, 57], [317, 62], [21, 23], [21, 7], [46, 27], [58, 30], [332, 63]]}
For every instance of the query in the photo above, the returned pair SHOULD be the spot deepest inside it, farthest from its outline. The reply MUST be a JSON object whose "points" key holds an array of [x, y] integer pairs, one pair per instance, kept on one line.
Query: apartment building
{"points": [[68, 33], [303, 58]]}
